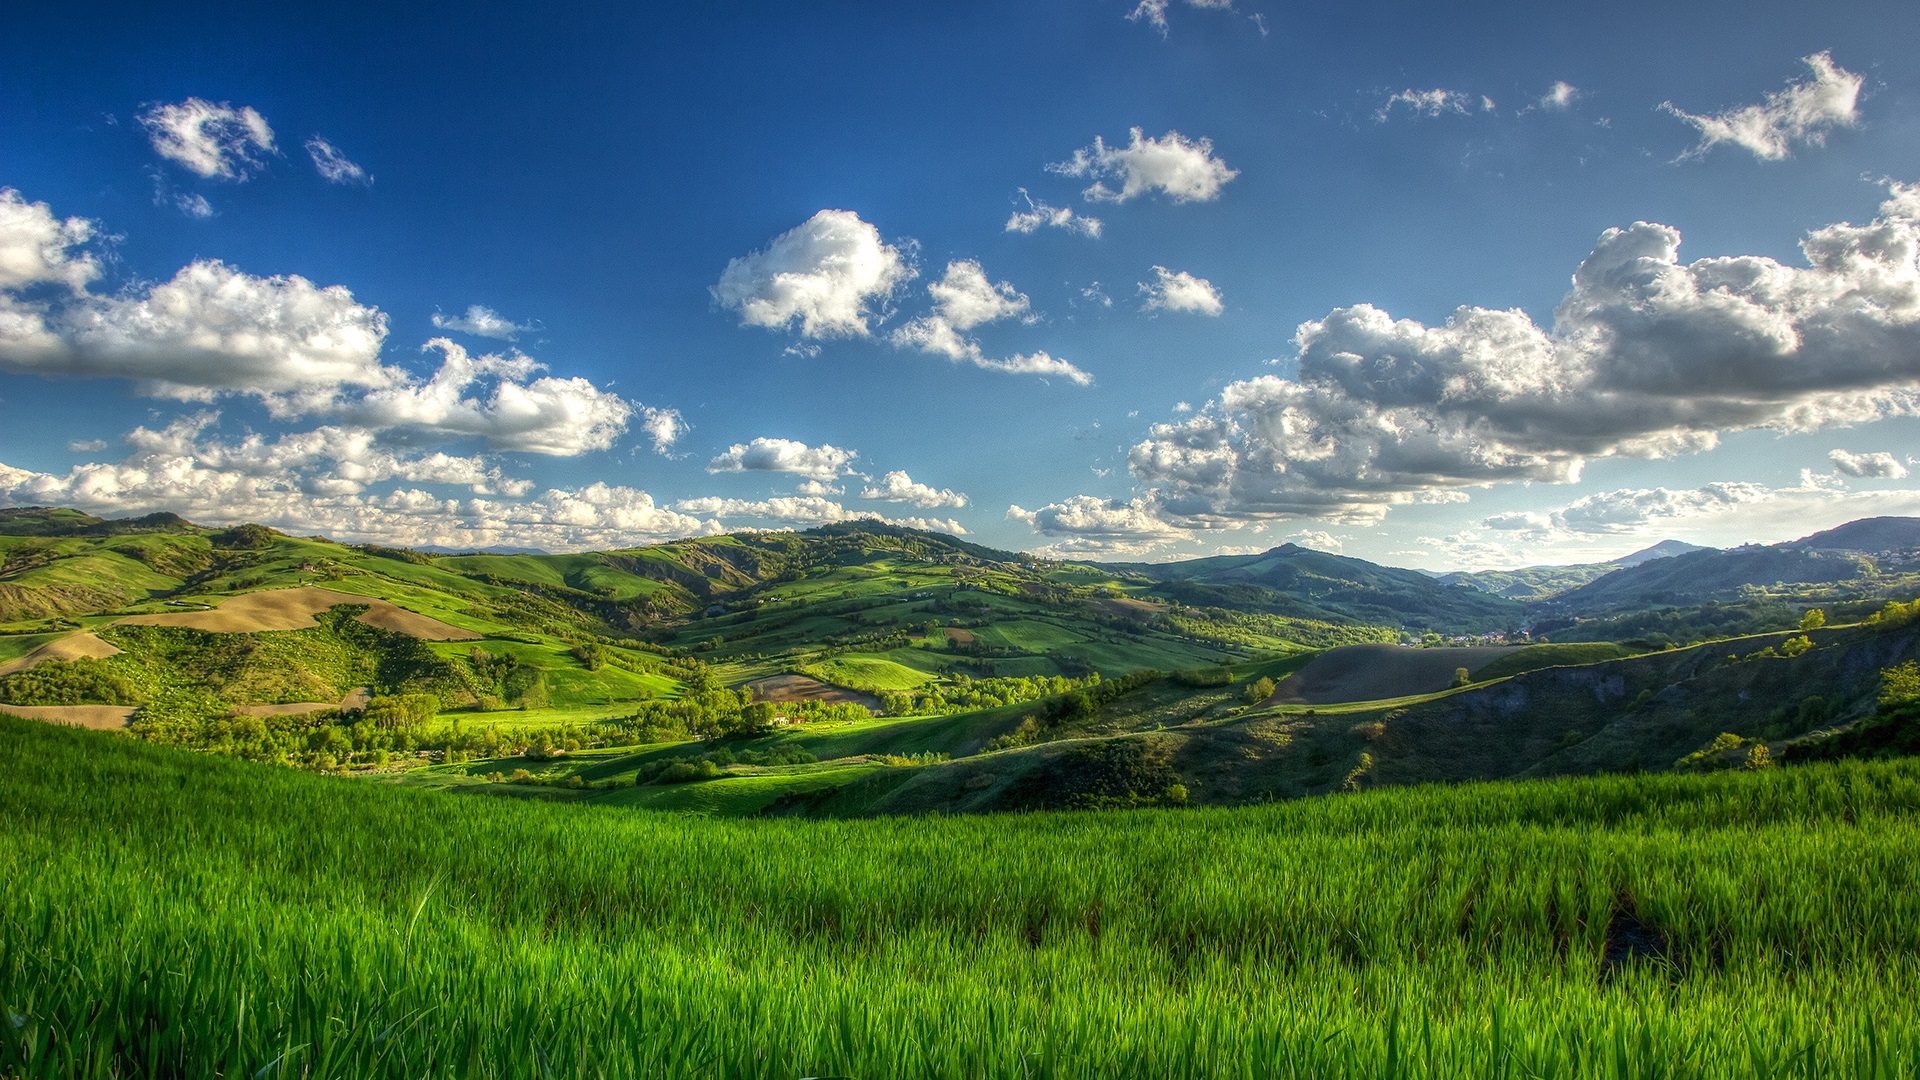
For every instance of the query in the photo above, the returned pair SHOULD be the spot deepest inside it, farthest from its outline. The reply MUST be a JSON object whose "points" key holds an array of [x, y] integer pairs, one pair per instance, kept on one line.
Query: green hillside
{"points": [[1299, 582]]}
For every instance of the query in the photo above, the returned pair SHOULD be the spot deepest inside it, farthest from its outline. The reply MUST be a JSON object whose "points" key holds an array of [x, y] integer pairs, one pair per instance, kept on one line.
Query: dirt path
{"points": [[97, 717], [1373, 672], [71, 647], [294, 609], [356, 698], [786, 688]]}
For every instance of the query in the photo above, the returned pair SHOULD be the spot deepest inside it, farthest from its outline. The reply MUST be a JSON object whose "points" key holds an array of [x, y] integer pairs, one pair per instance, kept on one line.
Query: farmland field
{"points": [[171, 914]]}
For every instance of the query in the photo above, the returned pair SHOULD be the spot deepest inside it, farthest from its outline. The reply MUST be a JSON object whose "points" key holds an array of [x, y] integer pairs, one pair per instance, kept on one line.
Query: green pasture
{"points": [[172, 914]]}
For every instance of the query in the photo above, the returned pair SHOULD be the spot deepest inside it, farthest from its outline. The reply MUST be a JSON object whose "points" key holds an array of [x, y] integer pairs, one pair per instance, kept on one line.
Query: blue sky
{"points": [[1105, 280]]}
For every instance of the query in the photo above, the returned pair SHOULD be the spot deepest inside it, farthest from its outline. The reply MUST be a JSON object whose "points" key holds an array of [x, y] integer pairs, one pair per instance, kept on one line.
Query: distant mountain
{"points": [[1546, 582], [1856, 558], [1871, 535], [1665, 549], [1301, 583]]}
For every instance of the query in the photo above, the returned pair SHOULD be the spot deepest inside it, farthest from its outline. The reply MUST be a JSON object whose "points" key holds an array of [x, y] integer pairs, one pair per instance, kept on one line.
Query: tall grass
{"points": [[165, 914]]}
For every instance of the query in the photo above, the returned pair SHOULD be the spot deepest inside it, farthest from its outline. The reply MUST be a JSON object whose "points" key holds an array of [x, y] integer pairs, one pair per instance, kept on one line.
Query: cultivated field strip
{"points": [[167, 914]]}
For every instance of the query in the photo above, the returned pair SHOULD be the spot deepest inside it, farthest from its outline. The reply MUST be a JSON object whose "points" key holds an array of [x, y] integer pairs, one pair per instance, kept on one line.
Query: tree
{"points": [[1461, 676], [1259, 690], [1814, 619]]}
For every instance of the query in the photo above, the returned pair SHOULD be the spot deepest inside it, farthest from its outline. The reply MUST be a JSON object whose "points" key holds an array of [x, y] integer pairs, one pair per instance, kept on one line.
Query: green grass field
{"points": [[171, 914], [874, 674]]}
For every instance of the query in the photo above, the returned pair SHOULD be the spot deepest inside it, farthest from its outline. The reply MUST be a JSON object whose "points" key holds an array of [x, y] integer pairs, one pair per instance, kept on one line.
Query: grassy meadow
{"points": [[164, 913]]}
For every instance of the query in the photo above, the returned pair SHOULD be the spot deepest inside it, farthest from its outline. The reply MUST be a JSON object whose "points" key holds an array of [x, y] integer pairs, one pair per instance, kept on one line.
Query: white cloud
{"points": [[1801, 114], [821, 463], [1319, 541], [819, 487], [1038, 214], [1180, 291], [1647, 357], [1185, 170], [86, 446], [35, 246], [1087, 525], [333, 166], [1560, 98], [194, 205], [211, 329], [209, 140], [545, 415], [823, 274], [664, 427], [805, 511], [964, 299], [482, 321], [1629, 510], [897, 486], [1154, 12], [1879, 465], [1432, 103], [320, 482], [302, 349]]}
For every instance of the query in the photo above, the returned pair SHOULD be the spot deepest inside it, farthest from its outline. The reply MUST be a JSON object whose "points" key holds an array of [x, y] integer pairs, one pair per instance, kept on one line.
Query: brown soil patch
{"points": [[71, 647], [1127, 607], [785, 688], [1374, 672], [97, 717], [356, 698], [959, 637], [294, 609]]}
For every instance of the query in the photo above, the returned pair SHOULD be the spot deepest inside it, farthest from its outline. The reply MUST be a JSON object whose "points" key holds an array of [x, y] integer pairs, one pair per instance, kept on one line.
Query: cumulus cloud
{"points": [[481, 321], [963, 299], [544, 415], [664, 427], [897, 486], [210, 329], [819, 487], [821, 462], [303, 349], [1432, 103], [1629, 510], [1647, 357], [805, 511], [320, 482], [334, 166], [1183, 169], [209, 140], [824, 275], [1319, 541], [1039, 214], [37, 248], [1087, 525], [1879, 465], [1180, 291], [1799, 114]]}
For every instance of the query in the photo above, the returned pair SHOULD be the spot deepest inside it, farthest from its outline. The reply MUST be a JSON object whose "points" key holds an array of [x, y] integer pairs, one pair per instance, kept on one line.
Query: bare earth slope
{"points": [[294, 609], [97, 717], [71, 647], [1376, 672]]}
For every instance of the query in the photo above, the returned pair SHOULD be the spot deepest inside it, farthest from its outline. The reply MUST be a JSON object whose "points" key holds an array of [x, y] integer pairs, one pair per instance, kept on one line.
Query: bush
{"points": [[1259, 690]]}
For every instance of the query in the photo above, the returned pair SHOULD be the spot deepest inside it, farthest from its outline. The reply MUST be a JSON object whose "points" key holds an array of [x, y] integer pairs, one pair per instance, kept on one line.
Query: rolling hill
{"points": [[1300, 582]]}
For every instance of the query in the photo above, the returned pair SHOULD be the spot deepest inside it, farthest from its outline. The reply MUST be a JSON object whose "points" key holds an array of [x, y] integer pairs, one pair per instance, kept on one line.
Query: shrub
{"points": [[1259, 690]]}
